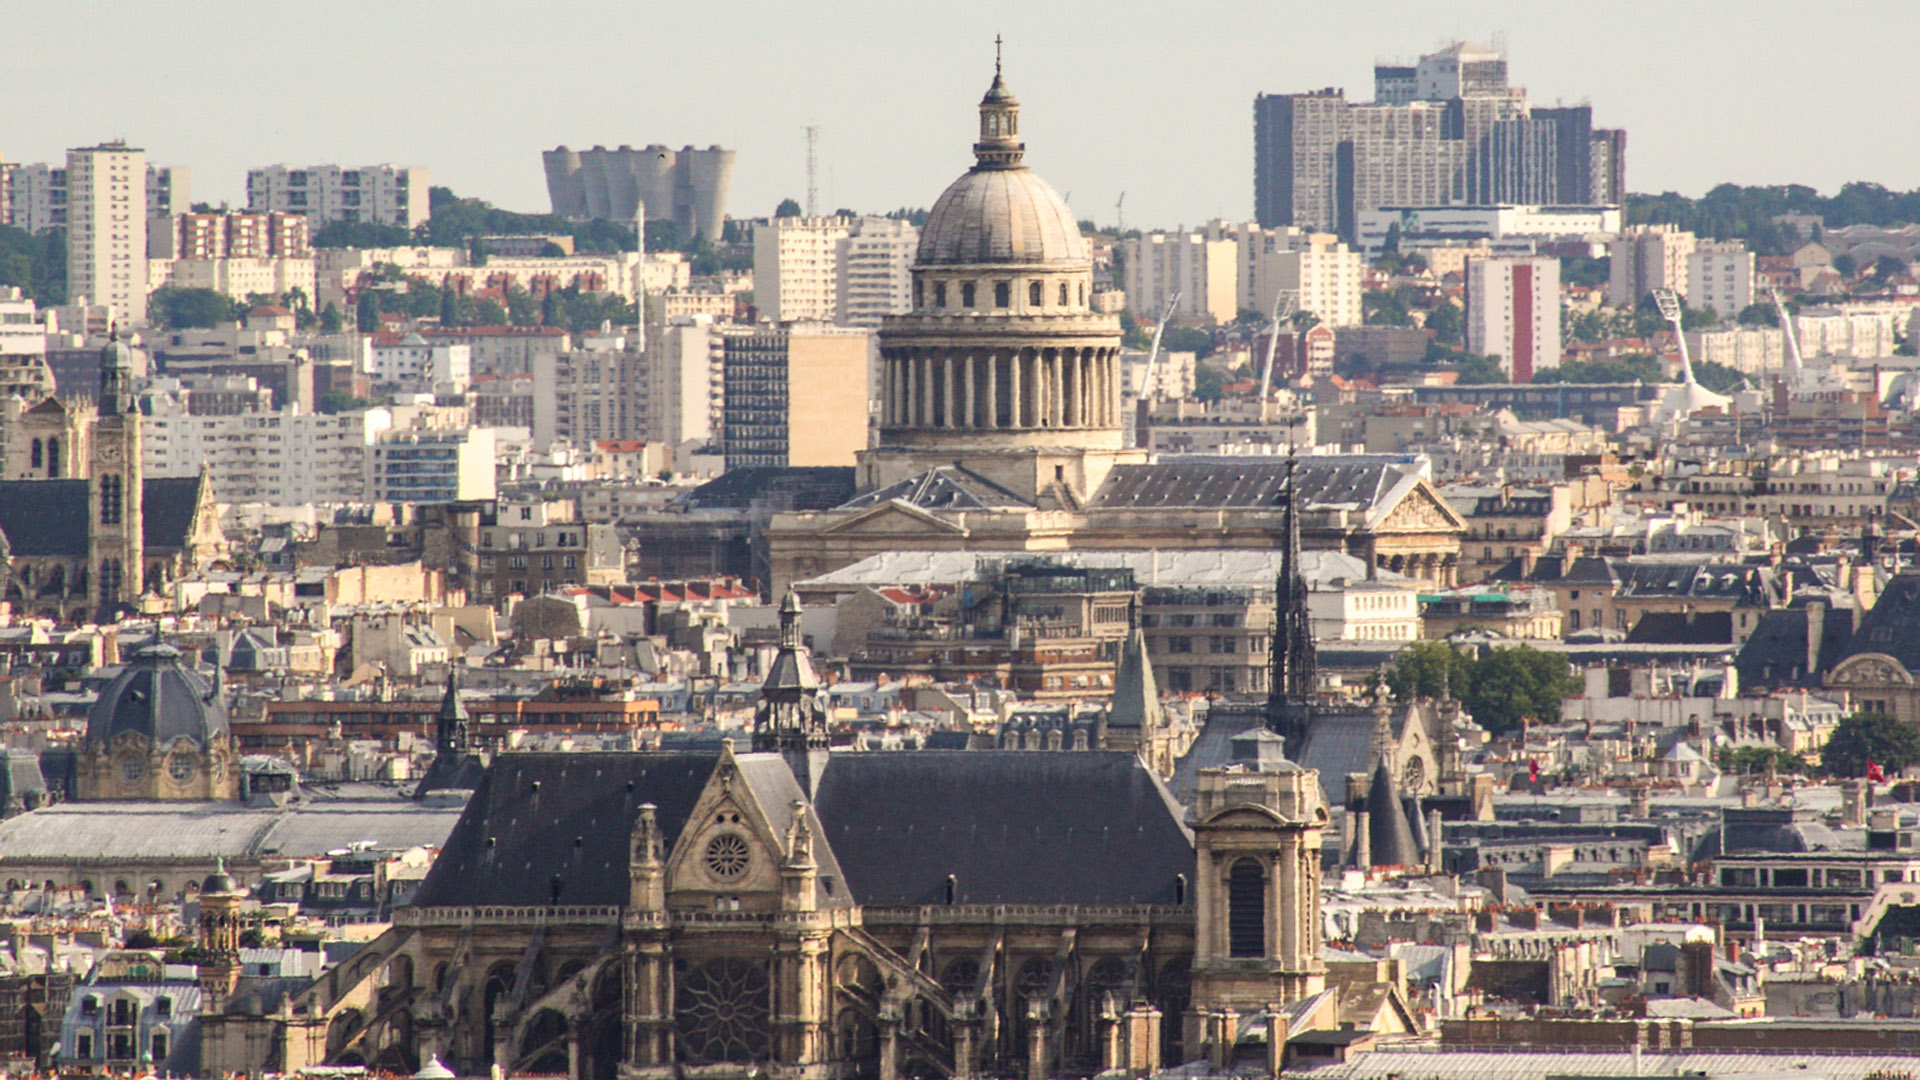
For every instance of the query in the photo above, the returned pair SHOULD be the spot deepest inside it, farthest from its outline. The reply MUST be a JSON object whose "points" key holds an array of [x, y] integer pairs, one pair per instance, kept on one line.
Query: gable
{"points": [[1421, 509], [896, 518]]}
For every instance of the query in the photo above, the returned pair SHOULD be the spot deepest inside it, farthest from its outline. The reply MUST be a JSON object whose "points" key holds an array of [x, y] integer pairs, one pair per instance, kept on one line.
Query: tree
{"points": [[488, 312], [551, 250], [449, 308], [1760, 759], [787, 208], [1845, 266], [189, 309], [1187, 339], [477, 252], [1756, 314], [1209, 383], [1585, 270], [1427, 669], [366, 313], [1718, 377], [1478, 370], [1510, 685], [1445, 321], [1870, 737], [521, 310], [330, 320]]}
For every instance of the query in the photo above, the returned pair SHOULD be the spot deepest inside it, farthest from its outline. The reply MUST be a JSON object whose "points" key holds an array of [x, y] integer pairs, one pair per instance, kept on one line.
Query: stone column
{"points": [[1056, 388], [973, 404], [1013, 389], [923, 409], [1071, 384], [993, 390], [952, 364]]}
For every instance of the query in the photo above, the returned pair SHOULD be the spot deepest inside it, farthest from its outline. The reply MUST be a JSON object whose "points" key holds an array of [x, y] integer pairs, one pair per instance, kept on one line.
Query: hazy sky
{"points": [[1153, 101]]}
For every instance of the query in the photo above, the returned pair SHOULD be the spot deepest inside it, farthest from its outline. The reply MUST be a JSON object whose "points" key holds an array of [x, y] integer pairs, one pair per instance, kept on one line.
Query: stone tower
{"points": [[1002, 367], [116, 551], [791, 719], [219, 939]]}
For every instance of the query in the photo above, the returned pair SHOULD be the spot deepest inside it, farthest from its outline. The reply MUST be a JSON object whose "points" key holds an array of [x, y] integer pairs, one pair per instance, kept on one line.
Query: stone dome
{"points": [[159, 698], [1000, 216]]}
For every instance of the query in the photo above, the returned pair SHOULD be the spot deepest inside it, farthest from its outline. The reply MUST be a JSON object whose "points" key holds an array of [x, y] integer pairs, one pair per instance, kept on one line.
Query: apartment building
{"points": [[1750, 349], [374, 194], [35, 198], [1323, 273], [282, 457], [684, 383], [1645, 258], [795, 396], [169, 190], [1842, 332], [107, 227], [426, 465], [796, 267], [23, 350], [873, 280], [1204, 272], [1720, 277], [590, 392], [523, 547], [414, 363], [1513, 313]]}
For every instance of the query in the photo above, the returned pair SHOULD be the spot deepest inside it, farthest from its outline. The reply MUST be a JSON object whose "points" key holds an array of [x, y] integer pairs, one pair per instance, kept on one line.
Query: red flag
{"points": [[1875, 773], [1533, 770]]}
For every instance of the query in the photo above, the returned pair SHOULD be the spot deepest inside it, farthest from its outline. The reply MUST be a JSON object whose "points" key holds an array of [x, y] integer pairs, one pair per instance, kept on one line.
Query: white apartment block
{"points": [[376, 194], [1509, 228], [1324, 273], [36, 195], [107, 227], [1750, 349], [874, 264], [430, 465], [1513, 313], [1857, 334], [504, 350], [1205, 272], [282, 457], [419, 365], [588, 393], [235, 279], [1645, 258], [796, 267], [24, 373], [684, 383], [169, 190], [1720, 277]]}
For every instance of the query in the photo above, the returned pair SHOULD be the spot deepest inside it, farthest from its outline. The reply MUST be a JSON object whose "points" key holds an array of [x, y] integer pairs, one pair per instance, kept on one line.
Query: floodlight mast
{"points": [[1795, 363], [1670, 309], [1284, 301], [1147, 386]]}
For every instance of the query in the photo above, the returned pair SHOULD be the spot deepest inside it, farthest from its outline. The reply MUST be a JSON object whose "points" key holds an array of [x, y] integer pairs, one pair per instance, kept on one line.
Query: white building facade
{"points": [[1720, 277], [375, 194], [1203, 271], [874, 280], [107, 227], [796, 267], [1513, 313]]}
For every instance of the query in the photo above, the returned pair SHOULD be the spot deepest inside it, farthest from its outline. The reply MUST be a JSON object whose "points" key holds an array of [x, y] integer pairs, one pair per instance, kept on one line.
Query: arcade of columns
{"points": [[972, 389]]}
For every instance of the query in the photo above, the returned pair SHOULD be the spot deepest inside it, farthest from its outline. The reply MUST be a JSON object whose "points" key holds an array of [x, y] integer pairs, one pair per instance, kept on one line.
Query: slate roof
{"points": [[810, 487], [1697, 581], [946, 487], [512, 841], [1892, 627], [1585, 570], [1012, 827], [160, 698], [1776, 655], [1369, 484], [52, 517], [101, 832], [1338, 744], [1212, 748], [1682, 628]]}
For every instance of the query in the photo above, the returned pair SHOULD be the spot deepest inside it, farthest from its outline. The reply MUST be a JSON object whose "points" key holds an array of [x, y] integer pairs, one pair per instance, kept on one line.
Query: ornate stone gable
{"points": [[1421, 510], [1870, 669], [896, 519]]}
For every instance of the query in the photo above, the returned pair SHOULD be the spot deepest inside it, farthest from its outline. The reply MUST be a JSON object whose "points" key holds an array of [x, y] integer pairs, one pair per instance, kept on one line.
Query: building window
{"points": [[1179, 644], [110, 500], [1033, 294], [1002, 293], [966, 295], [1246, 909], [38, 450], [939, 294], [1063, 294], [159, 1046]]}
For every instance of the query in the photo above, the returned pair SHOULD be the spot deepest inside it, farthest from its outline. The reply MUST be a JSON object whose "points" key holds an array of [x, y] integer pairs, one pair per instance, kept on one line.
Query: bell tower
{"points": [[115, 545]]}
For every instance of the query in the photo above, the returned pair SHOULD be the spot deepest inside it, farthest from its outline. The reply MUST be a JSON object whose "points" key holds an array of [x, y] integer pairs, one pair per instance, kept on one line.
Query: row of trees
{"points": [[1734, 212], [172, 308], [569, 307], [37, 265]]}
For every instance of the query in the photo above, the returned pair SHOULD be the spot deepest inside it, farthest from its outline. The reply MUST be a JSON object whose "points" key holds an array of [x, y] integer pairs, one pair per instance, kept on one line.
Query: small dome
{"points": [[433, 1070], [158, 697], [219, 883], [1000, 216]]}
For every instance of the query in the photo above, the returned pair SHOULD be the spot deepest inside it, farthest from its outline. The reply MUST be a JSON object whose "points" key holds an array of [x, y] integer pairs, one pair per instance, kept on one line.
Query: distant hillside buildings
{"points": [[374, 194], [1448, 129]]}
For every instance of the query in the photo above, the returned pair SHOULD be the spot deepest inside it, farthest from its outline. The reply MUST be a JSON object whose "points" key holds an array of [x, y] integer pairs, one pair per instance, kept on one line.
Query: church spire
{"points": [[999, 146], [450, 726], [1290, 686], [116, 376]]}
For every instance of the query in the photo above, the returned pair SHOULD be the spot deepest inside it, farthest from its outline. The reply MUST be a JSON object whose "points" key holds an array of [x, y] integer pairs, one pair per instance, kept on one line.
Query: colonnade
{"points": [[1002, 388]]}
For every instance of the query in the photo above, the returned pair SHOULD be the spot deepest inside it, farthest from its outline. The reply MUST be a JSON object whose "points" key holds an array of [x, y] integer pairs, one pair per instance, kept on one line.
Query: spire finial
{"points": [[996, 54]]}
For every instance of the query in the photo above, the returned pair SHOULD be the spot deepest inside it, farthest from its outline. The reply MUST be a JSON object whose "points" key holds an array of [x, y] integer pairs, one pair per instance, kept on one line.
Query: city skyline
{"points": [[1178, 143]]}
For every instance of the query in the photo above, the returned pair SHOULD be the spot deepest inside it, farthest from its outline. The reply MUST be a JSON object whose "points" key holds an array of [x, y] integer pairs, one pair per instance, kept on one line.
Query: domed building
{"points": [[158, 732], [1001, 369]]}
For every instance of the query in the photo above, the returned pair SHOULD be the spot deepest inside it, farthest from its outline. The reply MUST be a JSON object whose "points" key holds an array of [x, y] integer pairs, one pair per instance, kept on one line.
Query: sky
{"points": [[1151, 101]]}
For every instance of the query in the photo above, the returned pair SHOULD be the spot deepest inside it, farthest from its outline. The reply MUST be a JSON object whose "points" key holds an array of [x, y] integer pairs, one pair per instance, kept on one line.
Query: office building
{"points": [[107, 227], [795, 396], [372, 194], [1513, 313], [1647, 257], [1447, 129], [1720, 277], [687, 187], [796, 267], [1202, 271], [874, 264]]}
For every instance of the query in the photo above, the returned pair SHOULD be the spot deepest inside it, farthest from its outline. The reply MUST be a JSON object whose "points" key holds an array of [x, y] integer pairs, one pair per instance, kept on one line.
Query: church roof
{"points": [[945, 487], [1370, 485], [160, 698], [167, 508], [52, 517], [1390, 838], [1892, 626], [1136, 697]]}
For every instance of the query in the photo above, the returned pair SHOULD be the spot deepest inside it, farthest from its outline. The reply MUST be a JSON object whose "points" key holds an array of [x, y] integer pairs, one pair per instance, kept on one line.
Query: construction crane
{"points": [[1284, 301]]}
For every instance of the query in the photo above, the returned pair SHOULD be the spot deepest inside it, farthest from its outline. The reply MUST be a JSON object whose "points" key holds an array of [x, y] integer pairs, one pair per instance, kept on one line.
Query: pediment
{"points": [[894, 518], [1421, 510], [728, 845], [1870, 669]]}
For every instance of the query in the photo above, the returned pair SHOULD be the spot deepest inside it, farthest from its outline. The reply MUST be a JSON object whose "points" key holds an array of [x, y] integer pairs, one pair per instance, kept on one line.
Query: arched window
{"points": [[110, 500], [1002, 293], [1033, 294], [39, 454], [1246, 909], [1063, 294], [939, 294], [966, 295]]}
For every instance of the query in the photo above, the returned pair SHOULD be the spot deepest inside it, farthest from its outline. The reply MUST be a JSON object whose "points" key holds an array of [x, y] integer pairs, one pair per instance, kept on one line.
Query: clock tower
{"points": [[116, 549]]}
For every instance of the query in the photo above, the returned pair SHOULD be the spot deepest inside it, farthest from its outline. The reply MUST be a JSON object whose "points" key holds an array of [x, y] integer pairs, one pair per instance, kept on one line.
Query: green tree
{"points": [[477, 252], [1760, 759], [1757, 314], [339, 401], [1510, 685], [449, 308], [1584, 270], [551, 250], [1426, 669], [1718, 377], [1446, 323], [1870, 737], [189, 309], [521, 309], [366, 313], [787, 208], [1845, 266], [1478, 370], [1187, 339], [1621, 369], [488, 312], [330, 320], [1209, 383]]}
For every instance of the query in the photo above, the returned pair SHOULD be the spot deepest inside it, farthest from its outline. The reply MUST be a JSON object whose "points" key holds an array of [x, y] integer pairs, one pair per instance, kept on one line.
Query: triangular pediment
{"points": [[728, 845], [1421, 509], [896, 517]]}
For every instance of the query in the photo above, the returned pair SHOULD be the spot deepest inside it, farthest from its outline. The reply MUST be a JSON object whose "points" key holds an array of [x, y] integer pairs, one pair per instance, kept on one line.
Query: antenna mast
{"points": [[813, 170]]}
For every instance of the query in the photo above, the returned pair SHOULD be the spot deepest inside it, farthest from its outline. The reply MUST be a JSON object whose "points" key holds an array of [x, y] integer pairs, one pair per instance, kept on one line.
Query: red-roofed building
{"points": [[630, 459]]}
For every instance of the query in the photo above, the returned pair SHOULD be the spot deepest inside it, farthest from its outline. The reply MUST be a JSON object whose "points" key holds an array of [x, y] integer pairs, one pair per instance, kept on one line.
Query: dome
{"points": [[219, 883], [159, 698], [1000, 216]]}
